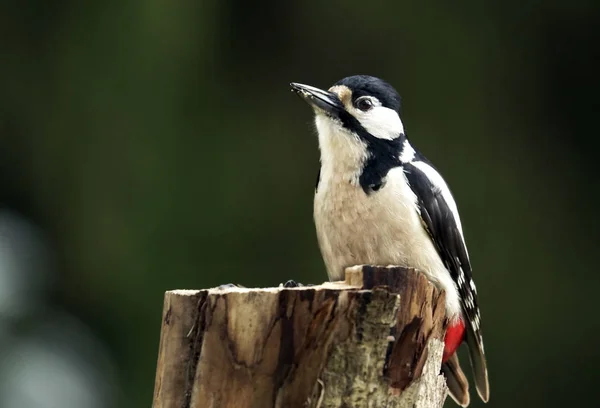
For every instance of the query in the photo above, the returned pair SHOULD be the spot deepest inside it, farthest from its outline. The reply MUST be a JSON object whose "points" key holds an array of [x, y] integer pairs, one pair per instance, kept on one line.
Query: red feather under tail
{"points": [[454, 336]]}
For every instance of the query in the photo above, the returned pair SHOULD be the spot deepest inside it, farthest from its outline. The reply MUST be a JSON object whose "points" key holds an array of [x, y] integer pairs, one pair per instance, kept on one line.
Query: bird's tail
{"points": [[478, 363], [456, 381]]}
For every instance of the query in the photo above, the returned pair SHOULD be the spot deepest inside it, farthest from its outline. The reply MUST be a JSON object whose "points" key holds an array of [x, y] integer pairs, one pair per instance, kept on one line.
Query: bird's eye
{"points": [[364, 103]]}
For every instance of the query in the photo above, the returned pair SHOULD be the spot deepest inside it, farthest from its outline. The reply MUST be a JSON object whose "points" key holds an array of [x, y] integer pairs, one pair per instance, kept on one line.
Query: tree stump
{"points": [[373, 340]]}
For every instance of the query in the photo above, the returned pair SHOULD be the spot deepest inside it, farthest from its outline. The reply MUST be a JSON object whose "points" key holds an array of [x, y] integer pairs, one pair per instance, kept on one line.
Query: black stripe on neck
{"points": [[383, 154]]}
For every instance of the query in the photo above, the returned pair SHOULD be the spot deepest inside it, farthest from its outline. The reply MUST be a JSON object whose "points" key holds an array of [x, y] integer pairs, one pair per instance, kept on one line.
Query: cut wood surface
{"points": [[374, 340]]}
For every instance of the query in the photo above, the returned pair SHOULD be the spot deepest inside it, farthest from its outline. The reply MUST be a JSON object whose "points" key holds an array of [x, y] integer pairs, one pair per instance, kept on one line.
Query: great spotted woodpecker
{"points": [[379, 201]]}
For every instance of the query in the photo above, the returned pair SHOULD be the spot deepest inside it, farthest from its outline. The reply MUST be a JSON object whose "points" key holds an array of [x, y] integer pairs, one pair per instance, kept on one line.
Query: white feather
{"points": [[408, 153], [473, 288], [342, 153]]}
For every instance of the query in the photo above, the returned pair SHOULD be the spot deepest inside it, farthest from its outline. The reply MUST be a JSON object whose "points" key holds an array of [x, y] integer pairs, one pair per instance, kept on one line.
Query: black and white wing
{"points": [[439, 213]]}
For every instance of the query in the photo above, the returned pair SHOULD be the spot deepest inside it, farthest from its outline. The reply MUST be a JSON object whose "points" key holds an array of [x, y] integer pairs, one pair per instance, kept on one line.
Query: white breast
{"points": [[383, 228]]}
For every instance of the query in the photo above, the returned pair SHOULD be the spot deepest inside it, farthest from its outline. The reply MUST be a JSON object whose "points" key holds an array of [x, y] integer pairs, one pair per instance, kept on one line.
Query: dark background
{"points": [[149, 145]]}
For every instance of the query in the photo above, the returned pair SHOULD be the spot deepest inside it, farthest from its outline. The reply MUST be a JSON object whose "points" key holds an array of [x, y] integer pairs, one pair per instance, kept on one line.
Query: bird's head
{"points": [[357, 119]]}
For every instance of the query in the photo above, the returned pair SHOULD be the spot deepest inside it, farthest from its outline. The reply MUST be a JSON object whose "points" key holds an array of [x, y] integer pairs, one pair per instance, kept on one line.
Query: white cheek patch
{"points": [[381, 122]]}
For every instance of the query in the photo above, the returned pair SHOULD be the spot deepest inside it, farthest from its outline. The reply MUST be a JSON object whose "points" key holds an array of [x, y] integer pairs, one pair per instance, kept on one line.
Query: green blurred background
{"points": [[150, 145]]}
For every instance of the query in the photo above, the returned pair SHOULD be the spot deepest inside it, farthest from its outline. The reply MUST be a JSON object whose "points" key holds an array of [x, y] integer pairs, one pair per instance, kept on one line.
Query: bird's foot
{"points": [[294, 284]]}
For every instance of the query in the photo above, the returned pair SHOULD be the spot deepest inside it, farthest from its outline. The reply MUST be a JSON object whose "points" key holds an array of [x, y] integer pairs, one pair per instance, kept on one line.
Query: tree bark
{"points": [[374, 340]]}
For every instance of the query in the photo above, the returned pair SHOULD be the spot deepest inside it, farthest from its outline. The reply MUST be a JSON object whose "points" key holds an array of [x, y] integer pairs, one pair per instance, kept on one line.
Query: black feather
{"points": [[447, 238]]}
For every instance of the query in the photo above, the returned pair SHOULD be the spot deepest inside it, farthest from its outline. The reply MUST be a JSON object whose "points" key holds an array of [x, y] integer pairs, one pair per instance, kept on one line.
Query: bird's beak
{"points": [[327, 102]]}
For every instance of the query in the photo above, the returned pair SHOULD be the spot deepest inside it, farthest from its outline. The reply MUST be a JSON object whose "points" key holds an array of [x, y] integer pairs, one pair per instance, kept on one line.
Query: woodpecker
{"points": [[379, 201]]}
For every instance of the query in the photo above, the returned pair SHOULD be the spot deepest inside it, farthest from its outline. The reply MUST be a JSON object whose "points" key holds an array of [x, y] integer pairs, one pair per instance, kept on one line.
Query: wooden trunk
{"points": [[374, 340]]}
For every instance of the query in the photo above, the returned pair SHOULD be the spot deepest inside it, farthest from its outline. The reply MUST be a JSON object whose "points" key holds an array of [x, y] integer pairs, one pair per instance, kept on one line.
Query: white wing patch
{"points": [[437, 180]]}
